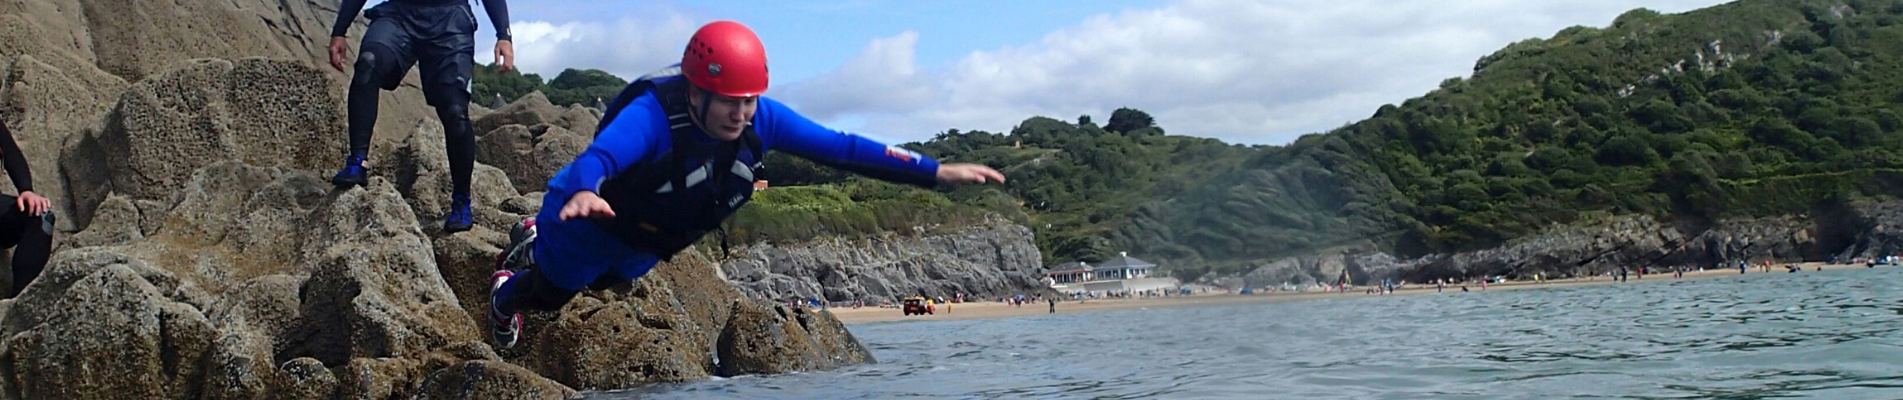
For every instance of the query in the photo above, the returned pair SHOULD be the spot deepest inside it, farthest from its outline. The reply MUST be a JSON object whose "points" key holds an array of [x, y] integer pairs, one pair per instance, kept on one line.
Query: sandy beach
{"points": [[1004, 310]]}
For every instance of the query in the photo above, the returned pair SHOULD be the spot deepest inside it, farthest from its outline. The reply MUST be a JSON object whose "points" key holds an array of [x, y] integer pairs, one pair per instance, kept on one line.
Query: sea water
{"points": [[1815, 334]]}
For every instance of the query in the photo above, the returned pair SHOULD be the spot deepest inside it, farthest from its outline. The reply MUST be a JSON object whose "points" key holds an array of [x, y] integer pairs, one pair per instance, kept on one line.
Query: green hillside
{"points": [[1749, 108]]}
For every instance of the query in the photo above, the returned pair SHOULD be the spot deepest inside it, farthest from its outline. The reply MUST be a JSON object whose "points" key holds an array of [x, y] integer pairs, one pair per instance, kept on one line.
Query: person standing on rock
{"points": [[27, 227], [439, 38], [675, 156]]}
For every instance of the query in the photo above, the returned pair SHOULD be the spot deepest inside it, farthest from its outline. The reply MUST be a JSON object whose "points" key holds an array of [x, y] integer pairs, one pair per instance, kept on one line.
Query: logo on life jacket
{"points": [[900, 153]]}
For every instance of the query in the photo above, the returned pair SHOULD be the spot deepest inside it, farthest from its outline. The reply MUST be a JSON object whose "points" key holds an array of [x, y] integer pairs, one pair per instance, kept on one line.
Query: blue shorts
{"points": [[574, 254]]}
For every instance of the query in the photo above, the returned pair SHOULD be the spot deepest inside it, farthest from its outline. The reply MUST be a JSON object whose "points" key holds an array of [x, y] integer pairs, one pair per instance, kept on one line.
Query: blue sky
{"points": [[1256, 72]]}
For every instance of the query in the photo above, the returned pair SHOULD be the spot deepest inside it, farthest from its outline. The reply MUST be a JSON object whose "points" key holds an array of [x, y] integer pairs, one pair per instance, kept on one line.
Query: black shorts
{"points": [[440, 40]]}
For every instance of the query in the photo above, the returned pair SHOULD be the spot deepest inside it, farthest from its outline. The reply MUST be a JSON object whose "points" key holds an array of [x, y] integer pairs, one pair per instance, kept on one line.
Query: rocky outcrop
{"points": [[263, 112], [775, 339], [1361, 268], [531, 155], [667, 327], [482, 379], [214, 259], [1868, 229], [421, 173], [204, 253], [995, 259], [66, 63]]}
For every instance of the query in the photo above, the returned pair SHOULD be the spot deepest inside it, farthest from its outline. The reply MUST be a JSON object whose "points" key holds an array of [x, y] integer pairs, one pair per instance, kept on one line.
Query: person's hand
{"points": [[505, 56], [339, 51], [968, 173], [33, 203], [586, 204]]}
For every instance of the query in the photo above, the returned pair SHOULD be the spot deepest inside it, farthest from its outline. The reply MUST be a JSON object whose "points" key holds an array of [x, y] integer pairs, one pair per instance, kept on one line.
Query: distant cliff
{"points": [[995, 258]]}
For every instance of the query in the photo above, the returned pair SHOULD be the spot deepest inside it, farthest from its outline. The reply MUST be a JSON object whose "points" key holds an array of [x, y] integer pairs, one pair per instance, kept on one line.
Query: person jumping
{"points": [[675, 156]]}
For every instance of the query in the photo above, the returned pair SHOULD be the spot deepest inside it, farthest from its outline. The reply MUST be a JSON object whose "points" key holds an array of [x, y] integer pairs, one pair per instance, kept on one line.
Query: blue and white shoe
{"points": [[505, 327]]}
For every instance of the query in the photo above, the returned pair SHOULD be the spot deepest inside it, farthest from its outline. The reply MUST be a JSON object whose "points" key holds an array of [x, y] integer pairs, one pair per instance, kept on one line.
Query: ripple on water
{"points": [[1829, 335]]}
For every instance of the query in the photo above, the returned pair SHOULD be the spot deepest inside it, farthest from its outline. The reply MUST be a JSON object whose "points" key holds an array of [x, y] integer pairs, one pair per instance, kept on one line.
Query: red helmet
{"points": [[726, 58]]}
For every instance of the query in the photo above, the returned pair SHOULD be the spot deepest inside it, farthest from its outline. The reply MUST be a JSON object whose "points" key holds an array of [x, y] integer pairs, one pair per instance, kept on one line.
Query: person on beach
{"points": [[676, 155]]}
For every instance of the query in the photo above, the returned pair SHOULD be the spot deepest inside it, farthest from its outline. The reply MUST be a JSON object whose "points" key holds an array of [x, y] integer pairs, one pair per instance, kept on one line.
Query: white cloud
{"points": [[627, 47], [882, 79], [1252, 72]]}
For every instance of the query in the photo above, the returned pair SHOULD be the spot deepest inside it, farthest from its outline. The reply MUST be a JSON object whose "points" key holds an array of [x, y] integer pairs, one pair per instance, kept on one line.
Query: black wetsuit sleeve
{"points": [[14, 162], [346, 13], [499, 17]]}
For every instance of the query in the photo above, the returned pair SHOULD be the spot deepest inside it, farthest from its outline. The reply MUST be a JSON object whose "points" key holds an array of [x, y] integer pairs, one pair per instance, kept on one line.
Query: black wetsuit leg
{"points": [[31, 238], [383, 57], [445, 49]]}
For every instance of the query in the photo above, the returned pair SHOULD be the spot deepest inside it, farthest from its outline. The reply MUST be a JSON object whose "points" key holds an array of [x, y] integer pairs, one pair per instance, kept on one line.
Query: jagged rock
{"points": [[134, 40], [255, 320], [211, 258], [264, 112], [528, 204], [1363, 268], [375, 290], [116, 222], [530, 157], [480, 379], [45, 104], [466, 261], [664, 327], [530, 110], [305, 378], [100, 325], [772, 339], [581, 120], [379, 378], [622, 337], [996, 259], [421, 174]]}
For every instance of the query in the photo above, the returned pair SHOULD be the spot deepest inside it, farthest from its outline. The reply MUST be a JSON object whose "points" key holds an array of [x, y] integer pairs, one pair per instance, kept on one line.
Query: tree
{"points": [[584, 78], [512, 85], [1129, 119], [583, 87]]}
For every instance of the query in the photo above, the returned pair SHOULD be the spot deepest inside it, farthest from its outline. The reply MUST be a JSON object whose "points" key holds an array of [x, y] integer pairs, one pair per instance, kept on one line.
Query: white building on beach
{"points": [[1122, 273]]}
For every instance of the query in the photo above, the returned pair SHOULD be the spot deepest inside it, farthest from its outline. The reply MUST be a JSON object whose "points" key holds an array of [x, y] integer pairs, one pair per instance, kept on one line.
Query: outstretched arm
{"points": [[791, 132]]}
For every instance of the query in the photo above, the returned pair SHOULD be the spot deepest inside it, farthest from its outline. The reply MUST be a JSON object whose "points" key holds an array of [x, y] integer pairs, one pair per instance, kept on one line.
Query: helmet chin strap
{"points": [[700, 113]]}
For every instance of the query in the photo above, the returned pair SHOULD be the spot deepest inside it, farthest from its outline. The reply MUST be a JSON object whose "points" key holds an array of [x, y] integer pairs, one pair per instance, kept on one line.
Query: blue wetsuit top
{"points": [[573, 253]]}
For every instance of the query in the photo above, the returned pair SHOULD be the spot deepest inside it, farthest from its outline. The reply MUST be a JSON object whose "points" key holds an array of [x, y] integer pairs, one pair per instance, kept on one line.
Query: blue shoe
{"points": [[353, 173], [505, 327], [460, 218]]}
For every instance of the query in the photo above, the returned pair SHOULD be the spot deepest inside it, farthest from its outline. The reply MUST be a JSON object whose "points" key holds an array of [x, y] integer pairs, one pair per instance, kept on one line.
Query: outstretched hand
{"points": [[586, 204], [968, 173]]}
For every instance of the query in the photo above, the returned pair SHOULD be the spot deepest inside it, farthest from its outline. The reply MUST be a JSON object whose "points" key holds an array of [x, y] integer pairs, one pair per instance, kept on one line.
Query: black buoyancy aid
{"points": [[668, 202]]}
